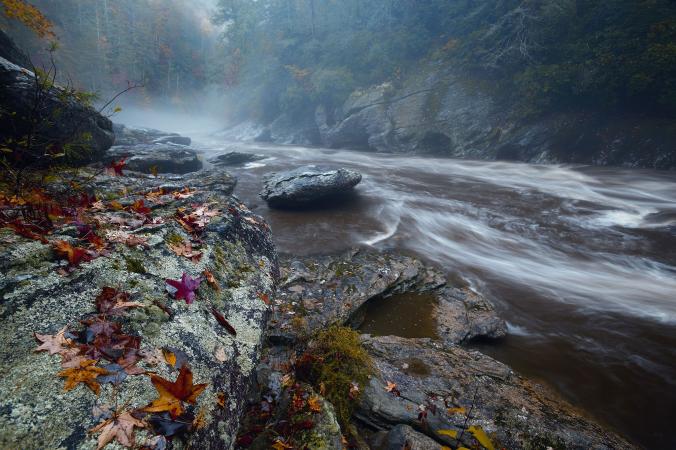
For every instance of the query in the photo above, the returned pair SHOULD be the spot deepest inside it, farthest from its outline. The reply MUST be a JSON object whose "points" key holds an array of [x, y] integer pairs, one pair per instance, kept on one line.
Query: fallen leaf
{"points": [[173, 394], [211, 279], [220, 399], [280, 445], [120, 427], [169, 426], [392, 388], [264, 297], [116, 167], [185, 288], [53, 344], [86, 373], [116, 374], [354, 391], [481, 436], [154, 170], [113, 302], [140, 207], [314, 403], [117, 206], [174, 357], [220, 355], [185, 249], [458, 410], [450, 433], [74, 255], [223, 321]]}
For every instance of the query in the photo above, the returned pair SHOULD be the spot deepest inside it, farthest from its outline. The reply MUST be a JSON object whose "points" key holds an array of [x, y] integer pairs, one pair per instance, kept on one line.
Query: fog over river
{"points": [[580, 261]]}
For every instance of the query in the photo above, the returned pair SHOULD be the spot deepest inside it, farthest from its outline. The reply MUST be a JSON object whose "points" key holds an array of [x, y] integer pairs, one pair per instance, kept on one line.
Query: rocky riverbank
{"points": [[145, 279], [421, 393], [437, 110]]}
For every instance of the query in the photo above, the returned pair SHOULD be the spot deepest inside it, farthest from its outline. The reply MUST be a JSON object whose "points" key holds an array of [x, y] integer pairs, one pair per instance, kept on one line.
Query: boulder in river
{"points": [[178, 140], [164, 158], [236, 158], [61, 119], [308, 185]]}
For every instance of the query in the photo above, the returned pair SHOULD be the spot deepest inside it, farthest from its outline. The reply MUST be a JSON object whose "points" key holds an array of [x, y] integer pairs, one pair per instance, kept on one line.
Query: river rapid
{"points": [[580, 261]]}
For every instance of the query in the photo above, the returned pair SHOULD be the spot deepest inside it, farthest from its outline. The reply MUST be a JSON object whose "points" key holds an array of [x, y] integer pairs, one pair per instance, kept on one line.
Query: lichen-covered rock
{"points": [[448, 384], [319, 291], [39, 296], [307, 185], [164, 158]]}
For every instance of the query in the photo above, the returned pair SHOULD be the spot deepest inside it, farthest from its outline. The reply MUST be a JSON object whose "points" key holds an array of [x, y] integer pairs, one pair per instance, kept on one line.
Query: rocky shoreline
{"points": [[423, 393]]}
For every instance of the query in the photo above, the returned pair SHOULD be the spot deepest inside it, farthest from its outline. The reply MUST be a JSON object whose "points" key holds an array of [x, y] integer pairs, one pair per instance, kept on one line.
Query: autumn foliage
{"points": [[30, 16]]}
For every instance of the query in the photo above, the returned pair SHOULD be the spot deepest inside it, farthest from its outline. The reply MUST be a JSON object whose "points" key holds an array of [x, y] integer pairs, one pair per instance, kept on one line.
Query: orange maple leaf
{"points": [[172, 395], [85, 373], [74, 255], [315, 404]]}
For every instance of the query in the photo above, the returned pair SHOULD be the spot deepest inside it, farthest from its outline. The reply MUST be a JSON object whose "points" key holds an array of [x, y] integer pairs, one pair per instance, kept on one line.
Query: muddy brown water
{"points": [[580, 261]]}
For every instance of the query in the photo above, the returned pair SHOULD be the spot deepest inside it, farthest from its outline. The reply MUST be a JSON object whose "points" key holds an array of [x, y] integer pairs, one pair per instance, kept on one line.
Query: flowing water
{"points": [[580, 261]]}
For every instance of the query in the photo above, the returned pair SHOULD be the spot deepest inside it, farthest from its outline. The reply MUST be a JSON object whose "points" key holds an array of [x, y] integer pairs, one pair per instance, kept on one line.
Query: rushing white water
{"points": [[580, 261], [516, 222]]}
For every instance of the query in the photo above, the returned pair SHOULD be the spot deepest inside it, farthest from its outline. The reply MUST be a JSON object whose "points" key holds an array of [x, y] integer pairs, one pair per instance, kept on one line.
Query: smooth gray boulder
{"points": [[163, 158], [307, 185]]}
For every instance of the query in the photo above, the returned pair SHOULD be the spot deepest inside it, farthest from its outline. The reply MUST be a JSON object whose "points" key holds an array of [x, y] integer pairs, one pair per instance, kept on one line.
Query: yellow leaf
{"points": [[481, 436], [117, 109], [314, 404], [458, 410], [169, 357], [449, 433], [279, 445]]}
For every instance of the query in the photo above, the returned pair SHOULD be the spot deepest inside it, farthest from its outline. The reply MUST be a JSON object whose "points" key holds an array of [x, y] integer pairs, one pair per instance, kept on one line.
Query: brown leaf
{"points": [[53, 344], [185, 249], [264, 297], [211, 280], [173, 394], [120, 427]]}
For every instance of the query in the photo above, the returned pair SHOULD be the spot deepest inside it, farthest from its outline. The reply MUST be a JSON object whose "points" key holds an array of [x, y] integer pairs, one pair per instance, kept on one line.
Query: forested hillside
{"points": [[543, 54], [167, 46]]}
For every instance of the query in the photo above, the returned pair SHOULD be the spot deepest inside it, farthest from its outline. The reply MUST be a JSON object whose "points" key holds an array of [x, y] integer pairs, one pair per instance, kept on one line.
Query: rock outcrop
{"points": [[41, 293], [127, 136], [316, 292], [162, 158], [464, 395], [308, 185], [60, 119]]}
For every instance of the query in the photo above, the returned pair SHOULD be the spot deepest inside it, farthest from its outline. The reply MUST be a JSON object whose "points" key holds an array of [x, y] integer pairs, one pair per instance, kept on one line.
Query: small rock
{"points": [[236, 158]]}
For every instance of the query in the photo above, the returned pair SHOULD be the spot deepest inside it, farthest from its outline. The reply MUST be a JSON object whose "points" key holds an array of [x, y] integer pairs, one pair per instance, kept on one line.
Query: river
{"points": [[580, 261]]}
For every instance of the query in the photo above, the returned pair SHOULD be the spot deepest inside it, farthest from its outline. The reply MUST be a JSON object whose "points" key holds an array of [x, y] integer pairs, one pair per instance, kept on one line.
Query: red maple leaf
{"points": [[117, 166], [185, 288], [140, 207]]}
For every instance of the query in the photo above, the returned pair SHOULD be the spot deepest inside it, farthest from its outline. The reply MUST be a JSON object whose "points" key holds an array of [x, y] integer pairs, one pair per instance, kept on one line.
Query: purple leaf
{"points": [[185, 289]]}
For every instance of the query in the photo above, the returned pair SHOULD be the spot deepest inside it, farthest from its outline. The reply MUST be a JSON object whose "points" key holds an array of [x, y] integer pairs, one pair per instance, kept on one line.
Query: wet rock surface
{"points": [[126, 135], [41, 294], [236, 158], [319, 291], [461, 392], [307, 185], [163, 158]]}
